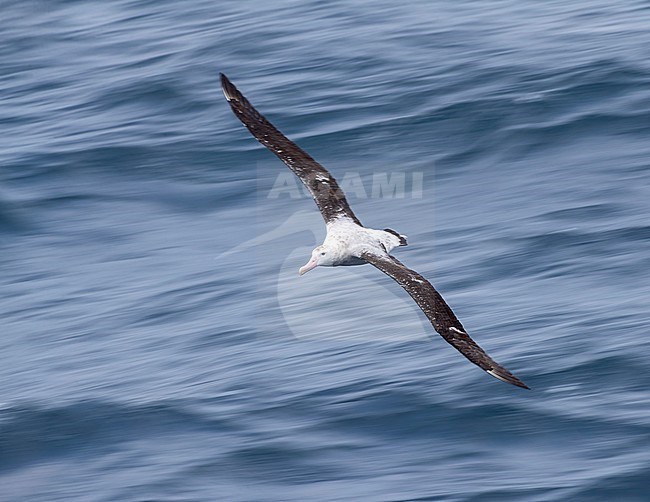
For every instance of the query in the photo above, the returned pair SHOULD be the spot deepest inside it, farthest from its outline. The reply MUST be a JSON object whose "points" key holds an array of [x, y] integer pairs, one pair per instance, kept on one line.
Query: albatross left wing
{"points": [[323, 187], [440, 315]]}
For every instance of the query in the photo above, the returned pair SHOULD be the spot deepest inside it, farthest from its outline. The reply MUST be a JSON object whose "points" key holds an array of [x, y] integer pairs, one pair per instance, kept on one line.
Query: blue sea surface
{"points": [[156, 340]]}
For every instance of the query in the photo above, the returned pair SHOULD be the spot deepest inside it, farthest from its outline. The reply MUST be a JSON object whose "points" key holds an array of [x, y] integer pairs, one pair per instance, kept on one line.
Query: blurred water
{"points": [[157, 343]]}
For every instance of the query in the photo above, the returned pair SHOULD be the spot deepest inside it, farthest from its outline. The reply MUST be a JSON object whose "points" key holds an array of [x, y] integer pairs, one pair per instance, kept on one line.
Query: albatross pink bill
{"points": [[308, 266]]}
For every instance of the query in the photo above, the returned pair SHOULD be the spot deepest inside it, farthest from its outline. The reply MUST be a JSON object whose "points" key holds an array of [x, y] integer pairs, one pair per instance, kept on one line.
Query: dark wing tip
{"points": [[229, 90], [505, 376]]}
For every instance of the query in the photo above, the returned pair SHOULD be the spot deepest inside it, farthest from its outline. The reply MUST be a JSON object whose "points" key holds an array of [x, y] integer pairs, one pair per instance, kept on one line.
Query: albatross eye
{"points": [[323, 253]]}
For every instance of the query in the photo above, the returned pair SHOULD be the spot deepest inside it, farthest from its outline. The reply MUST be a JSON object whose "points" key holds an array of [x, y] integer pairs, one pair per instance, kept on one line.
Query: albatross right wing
{"points": [[440, 315], [323, 187]]}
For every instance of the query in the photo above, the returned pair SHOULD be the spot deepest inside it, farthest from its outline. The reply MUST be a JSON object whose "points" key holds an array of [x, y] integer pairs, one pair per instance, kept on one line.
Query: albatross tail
{"points": [[402, 238]]}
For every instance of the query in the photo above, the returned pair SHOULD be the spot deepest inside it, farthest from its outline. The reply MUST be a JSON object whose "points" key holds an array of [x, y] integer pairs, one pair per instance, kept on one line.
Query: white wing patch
{"points": [[496, 375]]}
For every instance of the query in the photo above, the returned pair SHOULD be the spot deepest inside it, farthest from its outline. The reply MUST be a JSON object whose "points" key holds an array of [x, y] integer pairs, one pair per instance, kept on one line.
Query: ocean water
{"points": [[157, 342]]}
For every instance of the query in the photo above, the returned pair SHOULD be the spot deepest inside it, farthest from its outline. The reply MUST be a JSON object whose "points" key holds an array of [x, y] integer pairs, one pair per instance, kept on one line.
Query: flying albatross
{"points": [[348, 242]]}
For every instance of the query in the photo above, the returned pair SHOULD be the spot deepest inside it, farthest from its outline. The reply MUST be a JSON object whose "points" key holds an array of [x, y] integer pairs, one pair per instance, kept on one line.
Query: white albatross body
{"points": [[348, 242]]}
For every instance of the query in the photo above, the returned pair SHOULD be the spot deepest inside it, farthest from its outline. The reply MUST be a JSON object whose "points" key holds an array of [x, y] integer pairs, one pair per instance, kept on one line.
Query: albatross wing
{"points": [[440, 315], [323, 187]]}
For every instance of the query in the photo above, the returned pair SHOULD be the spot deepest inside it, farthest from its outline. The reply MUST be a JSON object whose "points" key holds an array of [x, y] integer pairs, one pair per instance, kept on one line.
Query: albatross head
{"points": [[321, 255]]}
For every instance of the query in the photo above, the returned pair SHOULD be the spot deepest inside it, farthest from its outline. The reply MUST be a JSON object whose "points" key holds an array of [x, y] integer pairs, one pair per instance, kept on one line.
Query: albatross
{"points": [[348, 242]]}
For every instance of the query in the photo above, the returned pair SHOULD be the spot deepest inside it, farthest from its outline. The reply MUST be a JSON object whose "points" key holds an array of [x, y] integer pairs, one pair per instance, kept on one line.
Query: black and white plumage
{"points": [[350, 243]]}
